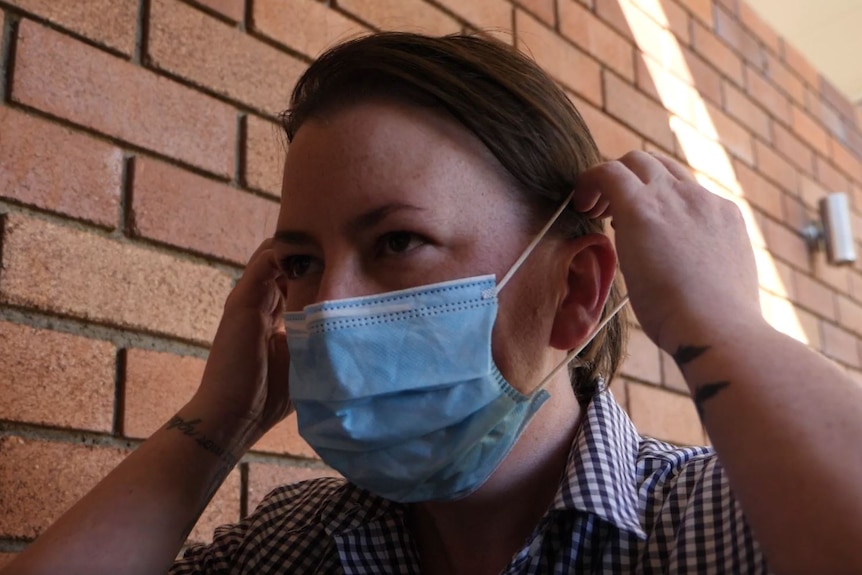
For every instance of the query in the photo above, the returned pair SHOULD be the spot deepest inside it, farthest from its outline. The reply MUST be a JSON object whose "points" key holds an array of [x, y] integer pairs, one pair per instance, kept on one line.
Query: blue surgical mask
{"points": [[399, 392]]}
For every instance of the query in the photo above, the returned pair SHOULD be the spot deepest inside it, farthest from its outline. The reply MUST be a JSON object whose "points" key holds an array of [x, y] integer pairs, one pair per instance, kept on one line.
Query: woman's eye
{"points": [[296, 267], [400, 242]]}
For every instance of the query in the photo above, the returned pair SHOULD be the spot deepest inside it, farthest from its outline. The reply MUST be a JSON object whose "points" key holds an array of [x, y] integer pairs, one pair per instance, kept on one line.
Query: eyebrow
{"points": [[357, 225]]}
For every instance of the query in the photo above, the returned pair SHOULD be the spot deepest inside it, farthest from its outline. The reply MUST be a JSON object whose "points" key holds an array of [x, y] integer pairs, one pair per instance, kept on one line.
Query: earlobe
{"points": [[589, 275]]}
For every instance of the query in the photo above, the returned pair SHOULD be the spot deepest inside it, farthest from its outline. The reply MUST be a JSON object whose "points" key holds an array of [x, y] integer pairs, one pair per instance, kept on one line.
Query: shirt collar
{"points": [[601, 472]]}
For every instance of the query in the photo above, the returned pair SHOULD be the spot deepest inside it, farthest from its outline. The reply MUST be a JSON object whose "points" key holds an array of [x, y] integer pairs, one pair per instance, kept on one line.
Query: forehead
{"points": [[386, 151]]}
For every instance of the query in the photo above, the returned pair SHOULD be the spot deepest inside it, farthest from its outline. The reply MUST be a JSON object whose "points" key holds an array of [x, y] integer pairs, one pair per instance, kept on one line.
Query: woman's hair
{"points": [[501, 96]]}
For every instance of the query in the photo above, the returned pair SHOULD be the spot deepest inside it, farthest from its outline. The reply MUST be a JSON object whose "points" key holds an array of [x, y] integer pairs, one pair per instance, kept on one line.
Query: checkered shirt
{"points": [[627, 504]]}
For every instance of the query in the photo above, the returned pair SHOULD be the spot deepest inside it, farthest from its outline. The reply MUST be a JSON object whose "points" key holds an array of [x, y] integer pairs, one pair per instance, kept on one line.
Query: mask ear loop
{"points": [[573, 354], [492, 292]]}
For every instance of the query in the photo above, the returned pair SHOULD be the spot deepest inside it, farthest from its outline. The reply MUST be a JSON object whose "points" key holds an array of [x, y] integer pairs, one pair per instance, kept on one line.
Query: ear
{"points": [[592, 263]]}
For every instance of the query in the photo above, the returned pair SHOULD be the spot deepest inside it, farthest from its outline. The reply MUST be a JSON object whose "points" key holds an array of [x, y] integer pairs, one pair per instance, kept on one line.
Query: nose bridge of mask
{"points": [[494, 291]]}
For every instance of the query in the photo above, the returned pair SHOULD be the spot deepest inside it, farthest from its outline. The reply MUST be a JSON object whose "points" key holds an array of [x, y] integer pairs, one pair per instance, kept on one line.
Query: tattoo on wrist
{"points": [[688, 353], [706, 392], [188, 427]]}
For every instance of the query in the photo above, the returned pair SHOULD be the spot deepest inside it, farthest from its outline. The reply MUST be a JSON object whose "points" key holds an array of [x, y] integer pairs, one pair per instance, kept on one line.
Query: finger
{"points": [[265, 245], [257, 287], [676, 169], [645, 166], [611, 181], [599, 209]]}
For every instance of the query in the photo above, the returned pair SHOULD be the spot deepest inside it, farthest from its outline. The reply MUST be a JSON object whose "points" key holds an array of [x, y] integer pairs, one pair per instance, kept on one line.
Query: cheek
{"points": [[520, 340]]}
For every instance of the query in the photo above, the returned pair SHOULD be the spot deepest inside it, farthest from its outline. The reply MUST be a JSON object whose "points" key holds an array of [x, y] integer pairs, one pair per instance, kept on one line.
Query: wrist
{"points": [[219, 429]]}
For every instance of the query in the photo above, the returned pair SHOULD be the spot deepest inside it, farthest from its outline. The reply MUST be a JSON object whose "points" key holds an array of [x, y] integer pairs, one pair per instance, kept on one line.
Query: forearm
{"points": [[786, 424], [136, 519]]}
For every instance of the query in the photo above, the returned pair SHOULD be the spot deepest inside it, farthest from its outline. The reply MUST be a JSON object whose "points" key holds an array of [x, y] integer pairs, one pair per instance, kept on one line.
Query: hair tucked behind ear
{"points": [[504, 98]]}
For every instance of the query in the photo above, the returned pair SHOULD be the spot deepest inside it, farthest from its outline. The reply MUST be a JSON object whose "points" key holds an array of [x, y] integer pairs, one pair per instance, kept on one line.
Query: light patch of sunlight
{"points": [[699, 141]]}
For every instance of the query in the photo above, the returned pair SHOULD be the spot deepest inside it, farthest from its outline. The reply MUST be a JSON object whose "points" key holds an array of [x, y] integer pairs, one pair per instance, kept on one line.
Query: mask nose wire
{"points": [[492, 292]]}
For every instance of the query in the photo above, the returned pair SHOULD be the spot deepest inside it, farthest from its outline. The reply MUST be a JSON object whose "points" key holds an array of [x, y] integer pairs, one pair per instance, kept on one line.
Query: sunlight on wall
{"points": [[705, 147]]}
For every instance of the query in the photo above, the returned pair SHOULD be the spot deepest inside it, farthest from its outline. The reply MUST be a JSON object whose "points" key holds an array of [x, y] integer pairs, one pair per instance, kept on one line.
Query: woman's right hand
{"points": [[246, 375]]}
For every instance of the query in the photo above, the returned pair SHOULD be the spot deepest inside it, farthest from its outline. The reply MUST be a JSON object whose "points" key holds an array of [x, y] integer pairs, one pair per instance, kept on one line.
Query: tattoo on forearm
{"points": [[686, 353], [705, 392], [189, 429], [227, 462]]}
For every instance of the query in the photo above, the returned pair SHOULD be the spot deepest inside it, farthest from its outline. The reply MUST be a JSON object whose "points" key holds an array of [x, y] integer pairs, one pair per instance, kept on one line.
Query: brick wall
{"points": [[140, 164]]}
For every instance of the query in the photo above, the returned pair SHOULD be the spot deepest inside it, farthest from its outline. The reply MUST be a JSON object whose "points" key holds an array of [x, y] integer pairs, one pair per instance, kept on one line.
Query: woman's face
{"points": [[380, 196]]}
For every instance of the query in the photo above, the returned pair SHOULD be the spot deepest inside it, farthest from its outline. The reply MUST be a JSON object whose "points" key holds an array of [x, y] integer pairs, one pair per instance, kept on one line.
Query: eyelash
{"points": [[288, 262]]}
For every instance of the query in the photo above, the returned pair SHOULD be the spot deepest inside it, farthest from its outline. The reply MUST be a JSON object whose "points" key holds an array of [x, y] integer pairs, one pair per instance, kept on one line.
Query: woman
{"points": [[436, 270]]}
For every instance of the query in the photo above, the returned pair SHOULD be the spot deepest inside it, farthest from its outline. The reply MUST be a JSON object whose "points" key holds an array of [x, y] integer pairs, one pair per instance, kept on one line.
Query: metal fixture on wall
{"points": [[834, 230]]}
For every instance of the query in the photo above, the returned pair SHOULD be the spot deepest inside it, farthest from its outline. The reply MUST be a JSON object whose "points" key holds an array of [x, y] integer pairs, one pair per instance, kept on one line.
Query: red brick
{"points": [[810, 191], [790, 320], [159, 384], [210, 53], [700, 9], [638, 111], [597, 38], [115, 97], [233, 9], [46, 479], [832, 179], [705, 79], [735, 138], [794, 213], [309, 27], [850, 314], [5, 558], [223, 508], [814, 296], [265, 149], [263, 478], [612, 138], [707, 157], [110, 23], [792, 148], [284, 439], [642, 362], [52, 378], [484, 14], [782, 77], [544, 10], [840, 344], [664, 414], [837, 98], [837, 277], [728, 28], [774, 275], [809, 130], [167, 198], [758, 190], [671, 375], [775, 167], [714, 50], [786, 244], [846, 160], [613, 14], [759, 28], [67, 271], [743, 108], [669, 15], [653, 39], [414, 15], [774, 101], [54, 168], [827, 115], [559, 58], [800, 64]]}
